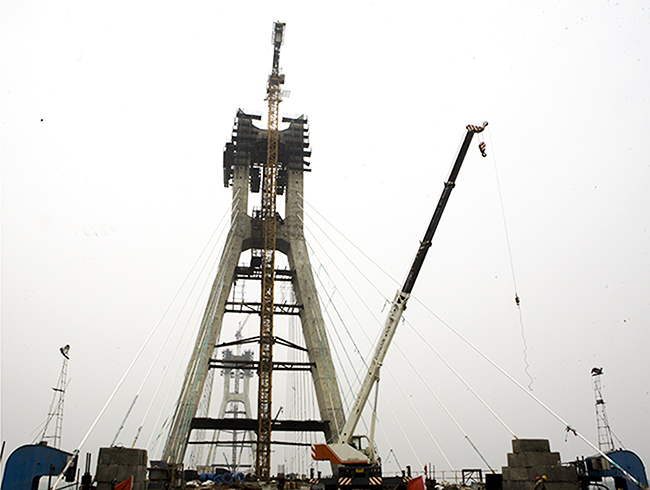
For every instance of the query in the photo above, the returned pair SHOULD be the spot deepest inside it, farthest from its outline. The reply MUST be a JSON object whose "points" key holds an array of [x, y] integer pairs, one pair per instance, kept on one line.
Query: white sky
{"points": [[114, 117]]}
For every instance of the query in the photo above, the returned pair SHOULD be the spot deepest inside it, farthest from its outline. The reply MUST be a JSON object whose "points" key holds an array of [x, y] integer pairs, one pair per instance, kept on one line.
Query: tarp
{"points": [[125, 485], [416, 484]]}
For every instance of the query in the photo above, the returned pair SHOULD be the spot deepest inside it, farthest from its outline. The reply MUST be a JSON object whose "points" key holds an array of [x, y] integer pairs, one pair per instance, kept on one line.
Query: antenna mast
{"points": [[605, 441], [56, 408]]}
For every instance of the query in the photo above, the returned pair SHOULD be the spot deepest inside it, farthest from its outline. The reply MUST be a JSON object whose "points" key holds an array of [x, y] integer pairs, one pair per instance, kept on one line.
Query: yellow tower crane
{"points": [[269, 219]]}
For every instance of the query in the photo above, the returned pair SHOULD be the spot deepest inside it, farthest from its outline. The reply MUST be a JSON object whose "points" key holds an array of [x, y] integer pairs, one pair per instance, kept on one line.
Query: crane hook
{"points": [[481, 146]]}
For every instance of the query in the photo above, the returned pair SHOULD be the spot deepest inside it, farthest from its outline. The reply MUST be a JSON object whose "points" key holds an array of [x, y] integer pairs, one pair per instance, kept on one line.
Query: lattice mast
{"points": [[55, 414], [605, 440], [269, 198]]}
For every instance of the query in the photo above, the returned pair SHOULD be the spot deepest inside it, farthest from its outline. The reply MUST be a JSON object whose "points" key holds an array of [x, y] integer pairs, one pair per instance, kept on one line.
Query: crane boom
{"points": [[399, 303], [425, 244]]}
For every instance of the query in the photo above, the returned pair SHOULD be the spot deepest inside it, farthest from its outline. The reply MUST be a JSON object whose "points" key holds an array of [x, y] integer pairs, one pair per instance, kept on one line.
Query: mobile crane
{"points": [[358, 467]]}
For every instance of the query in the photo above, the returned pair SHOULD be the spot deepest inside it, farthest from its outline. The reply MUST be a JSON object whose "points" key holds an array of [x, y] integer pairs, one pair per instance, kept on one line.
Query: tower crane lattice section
{"points": [[269, 221]]}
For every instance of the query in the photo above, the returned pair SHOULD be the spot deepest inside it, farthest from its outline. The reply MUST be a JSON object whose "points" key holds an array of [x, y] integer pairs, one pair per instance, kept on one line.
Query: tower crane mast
{"points": [[269, 223]]}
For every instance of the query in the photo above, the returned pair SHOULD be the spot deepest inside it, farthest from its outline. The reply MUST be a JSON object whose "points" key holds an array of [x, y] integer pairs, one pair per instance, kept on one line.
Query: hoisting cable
{"points": [[153, 399], [354, 344], [395, 456], [322, 339], [338, 314], [399, 387], [365, 333], [351, 243], [512, 265], [76, 451], [441, 403], [531, 394], [348, 258], [403, 432], [371, 283], [482, 148], [160, 351], [351, 310], [364, 363], [476, 349], [202, 346], [483, 402], [334, 263], [158, 387], [345, 351], [348, 306]]}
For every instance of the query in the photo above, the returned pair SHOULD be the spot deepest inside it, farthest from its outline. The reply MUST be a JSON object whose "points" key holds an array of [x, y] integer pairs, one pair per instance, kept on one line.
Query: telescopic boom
{"points": [[399, 303]]}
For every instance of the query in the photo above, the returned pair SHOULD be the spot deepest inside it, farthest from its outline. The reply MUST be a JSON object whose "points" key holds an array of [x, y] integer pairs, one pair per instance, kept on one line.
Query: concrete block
{"points": [[530, 445], [105, 473], [554, 473], [139, 473], [118, 464], [544, 459], [517, 485], [122, 456], [533, 459], [515, 474]]}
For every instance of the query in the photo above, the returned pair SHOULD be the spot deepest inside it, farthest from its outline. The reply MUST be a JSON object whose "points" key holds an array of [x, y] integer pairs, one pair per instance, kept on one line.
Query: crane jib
{"points": [[425, 244]]}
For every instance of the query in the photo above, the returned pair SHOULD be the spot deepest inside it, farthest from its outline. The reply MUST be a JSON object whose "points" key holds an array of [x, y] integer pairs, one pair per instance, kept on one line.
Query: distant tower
{"points": [[236, 400], [56, 408], [605, 441]]}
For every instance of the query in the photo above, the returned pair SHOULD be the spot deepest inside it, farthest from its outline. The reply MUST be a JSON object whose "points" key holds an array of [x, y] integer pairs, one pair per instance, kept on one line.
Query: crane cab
{"points": [[361, 443]]}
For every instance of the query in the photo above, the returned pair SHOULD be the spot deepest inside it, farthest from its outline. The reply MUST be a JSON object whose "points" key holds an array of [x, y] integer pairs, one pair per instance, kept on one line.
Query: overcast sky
{"points": [[114, 117]]}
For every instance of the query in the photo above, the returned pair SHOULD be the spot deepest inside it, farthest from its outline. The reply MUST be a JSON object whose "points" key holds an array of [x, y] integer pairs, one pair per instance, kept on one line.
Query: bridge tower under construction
{"points": [[243, 161]]}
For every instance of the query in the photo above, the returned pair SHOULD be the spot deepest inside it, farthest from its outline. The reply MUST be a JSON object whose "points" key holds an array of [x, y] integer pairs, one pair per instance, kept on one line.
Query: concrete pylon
{"points": [[244, 157]]}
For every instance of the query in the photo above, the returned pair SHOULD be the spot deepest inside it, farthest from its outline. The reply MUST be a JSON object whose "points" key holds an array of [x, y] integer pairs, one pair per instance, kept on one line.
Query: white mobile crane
{"points": [[358, 467]]}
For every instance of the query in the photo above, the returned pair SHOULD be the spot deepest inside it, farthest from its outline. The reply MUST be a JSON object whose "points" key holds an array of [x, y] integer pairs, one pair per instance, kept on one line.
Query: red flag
{"points": [[128, 485], [416, 484]]}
